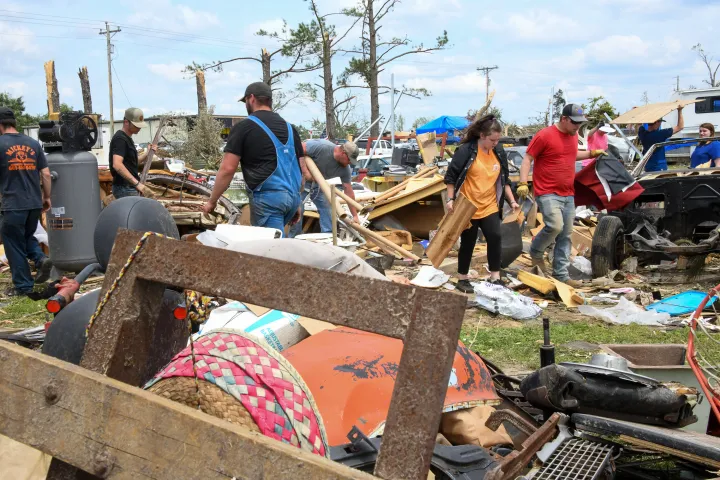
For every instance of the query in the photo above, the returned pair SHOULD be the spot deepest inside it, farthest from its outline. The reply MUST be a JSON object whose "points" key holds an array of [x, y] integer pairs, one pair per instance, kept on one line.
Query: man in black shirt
{"points": [[270, 152], [25, 188], [124, 157]]}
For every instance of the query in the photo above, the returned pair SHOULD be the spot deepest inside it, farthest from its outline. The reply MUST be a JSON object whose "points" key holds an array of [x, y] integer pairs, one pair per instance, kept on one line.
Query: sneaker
{"points": [[499, 281], [542, 266], [43, 270], [465, 286]]}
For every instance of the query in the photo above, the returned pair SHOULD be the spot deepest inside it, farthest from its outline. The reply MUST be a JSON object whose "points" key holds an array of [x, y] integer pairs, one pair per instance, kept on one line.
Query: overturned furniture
{"points": [[109, 427]]}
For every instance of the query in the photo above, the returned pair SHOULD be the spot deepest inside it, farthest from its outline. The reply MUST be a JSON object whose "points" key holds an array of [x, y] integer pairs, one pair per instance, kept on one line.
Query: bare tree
{"points": [[85, 88], [298, 46], [376, 52], [708, 61]]}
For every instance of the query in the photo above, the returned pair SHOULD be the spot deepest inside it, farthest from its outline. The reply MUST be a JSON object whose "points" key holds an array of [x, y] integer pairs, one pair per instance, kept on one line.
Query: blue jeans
{"points": [[558, 215], [120, 191], [273, 208], [18, 233], [323, 208]]}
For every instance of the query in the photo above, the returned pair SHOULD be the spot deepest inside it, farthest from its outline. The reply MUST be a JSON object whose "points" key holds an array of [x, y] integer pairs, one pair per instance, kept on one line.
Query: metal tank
{"points": [[75, 193], [76, 206]]}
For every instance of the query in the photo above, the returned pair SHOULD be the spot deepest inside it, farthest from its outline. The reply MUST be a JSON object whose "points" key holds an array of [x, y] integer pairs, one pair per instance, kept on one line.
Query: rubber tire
{"points": [[603, 254]]}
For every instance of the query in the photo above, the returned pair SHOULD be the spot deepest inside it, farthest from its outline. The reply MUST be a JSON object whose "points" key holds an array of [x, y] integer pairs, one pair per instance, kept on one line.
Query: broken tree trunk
{"points": [[85, 88], [265, 62], [53, 95], [201, 95], [451, 227]]}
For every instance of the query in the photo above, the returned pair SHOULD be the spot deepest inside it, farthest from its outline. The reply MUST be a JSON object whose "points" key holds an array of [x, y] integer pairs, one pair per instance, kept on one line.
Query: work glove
{"points": [[523, 190], [597, 153]]}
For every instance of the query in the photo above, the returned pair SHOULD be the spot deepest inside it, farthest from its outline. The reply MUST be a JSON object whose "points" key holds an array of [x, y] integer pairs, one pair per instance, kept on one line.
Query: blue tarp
{"points": [[444, 124]]}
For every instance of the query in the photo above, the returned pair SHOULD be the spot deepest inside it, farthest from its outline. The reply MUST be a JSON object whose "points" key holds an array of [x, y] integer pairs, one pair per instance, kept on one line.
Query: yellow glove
{"points": [[597, 153], [522, 190]]}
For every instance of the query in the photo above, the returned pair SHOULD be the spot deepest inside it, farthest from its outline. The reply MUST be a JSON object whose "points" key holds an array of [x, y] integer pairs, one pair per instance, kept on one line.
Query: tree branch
{"points": [[228, 61], [425, 50], [380, 57]]}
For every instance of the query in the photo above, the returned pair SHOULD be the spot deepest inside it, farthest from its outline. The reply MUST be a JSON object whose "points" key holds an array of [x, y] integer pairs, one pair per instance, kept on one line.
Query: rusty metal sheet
{"points": [[119, 344], [351, 375]]}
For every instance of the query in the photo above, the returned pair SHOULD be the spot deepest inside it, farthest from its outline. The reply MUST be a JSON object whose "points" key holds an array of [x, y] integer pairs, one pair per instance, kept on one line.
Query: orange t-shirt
{"points": [[479, 185]]}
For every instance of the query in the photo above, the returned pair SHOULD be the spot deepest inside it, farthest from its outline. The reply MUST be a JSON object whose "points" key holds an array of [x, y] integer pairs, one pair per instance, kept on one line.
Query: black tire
{"points": [[606, 252]]}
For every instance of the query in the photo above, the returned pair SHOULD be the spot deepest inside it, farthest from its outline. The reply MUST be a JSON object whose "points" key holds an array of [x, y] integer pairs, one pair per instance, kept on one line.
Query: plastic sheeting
{"points": [[498, 299], [444, 124], [625, 313]]}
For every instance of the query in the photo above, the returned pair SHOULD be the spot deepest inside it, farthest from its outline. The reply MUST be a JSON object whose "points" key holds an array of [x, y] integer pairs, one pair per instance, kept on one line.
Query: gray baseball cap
{"points": [[259, 89], [575, 112], [352, 150], [136, 117]]}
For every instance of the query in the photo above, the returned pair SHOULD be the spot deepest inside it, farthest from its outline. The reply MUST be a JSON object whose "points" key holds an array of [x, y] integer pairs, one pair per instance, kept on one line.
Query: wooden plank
{"points": [[401, 186], [671, 451], [567, 294], [428, 147], [320, 180], [111, 429], [451, 227], [384, 244], [651, 112], [404, 200], [542, 285]]}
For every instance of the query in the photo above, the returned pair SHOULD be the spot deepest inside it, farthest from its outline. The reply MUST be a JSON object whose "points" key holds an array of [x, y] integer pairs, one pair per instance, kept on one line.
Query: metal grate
{"points": [[578, 460]]}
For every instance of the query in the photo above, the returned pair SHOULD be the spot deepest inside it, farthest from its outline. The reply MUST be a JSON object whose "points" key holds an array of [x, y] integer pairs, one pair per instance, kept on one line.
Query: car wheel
{"points": [[607, 246]]}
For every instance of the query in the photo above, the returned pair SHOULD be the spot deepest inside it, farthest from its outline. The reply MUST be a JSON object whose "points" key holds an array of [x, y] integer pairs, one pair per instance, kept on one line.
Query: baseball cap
{"points": [[136, 117], [575, 112], [259, 89], [352, 150], [6, 114]]}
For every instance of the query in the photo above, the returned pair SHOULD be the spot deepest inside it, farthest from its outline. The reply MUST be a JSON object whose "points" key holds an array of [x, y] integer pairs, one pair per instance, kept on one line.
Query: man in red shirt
{"points": [[554, 150]]}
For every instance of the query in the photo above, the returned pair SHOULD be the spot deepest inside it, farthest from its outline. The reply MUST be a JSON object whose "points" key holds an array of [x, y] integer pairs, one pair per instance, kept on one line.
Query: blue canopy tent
{"points": [[444, 124]]}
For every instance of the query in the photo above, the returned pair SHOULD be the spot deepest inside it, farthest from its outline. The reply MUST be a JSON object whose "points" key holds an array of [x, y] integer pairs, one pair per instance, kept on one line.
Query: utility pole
{"points": [[107, 33], [487, 71], [677, 88]]}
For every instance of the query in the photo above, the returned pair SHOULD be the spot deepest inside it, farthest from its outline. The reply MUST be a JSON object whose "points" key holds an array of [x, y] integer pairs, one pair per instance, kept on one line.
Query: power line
{"points": [[121, 85], [487, 71]]}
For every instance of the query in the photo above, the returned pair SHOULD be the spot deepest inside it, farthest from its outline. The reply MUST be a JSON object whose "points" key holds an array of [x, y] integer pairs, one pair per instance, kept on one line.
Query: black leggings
{"points": [[490, 226]]}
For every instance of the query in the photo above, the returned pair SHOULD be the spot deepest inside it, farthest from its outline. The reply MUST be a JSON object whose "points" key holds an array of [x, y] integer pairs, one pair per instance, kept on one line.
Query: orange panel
{"points": [[351, 375]]}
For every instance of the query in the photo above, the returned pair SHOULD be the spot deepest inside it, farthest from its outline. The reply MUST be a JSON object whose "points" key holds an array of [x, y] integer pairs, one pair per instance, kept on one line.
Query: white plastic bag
{"points": [[498, 299], [625, 313], [430, 277], [582, 264]]}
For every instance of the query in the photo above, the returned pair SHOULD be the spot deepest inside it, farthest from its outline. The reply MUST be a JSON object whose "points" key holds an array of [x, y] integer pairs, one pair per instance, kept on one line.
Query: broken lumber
{"points": [[451, 227], [53, 94], [383, 243], [151, 153], [324, 186], [536, 282], [426, 172], [567, 294], [349, 200]]}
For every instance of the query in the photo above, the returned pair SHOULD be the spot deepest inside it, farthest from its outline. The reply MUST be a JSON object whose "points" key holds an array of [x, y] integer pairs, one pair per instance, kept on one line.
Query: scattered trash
{"points": [[646, 298], [582, 264], [449, 286], [629, 265], [584, 212], [502, 300], [681, 304], [430, 277], [625, 313], [602, 300]]}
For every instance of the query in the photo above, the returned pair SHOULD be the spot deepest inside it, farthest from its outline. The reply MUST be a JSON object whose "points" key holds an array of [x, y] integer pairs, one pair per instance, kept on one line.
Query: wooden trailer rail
{"points": [[113, 430]]}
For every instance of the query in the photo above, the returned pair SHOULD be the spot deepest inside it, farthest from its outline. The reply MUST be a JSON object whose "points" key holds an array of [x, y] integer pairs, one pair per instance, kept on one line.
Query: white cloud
{"points": [[169, 71], [538, 26], [66, 92], [458, 84], [174, 17], [618, 50], [17, 39], [15, 88]]}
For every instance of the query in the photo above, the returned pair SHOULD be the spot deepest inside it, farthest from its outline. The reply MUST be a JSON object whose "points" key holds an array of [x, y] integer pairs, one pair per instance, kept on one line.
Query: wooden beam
{"points": [[451, 227], [391, 192], [324, 186], [111, 429], [536, 282], [383, 243]]}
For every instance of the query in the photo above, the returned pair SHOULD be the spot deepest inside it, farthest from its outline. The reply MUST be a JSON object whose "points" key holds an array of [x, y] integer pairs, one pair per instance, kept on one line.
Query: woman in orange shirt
{"points": [[479, 170]]}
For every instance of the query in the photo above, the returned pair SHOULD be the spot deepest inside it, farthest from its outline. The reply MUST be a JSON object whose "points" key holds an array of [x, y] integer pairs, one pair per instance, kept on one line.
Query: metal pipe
{"points": [[620, 132], [392, 112], [689, 141], [386, 124]]}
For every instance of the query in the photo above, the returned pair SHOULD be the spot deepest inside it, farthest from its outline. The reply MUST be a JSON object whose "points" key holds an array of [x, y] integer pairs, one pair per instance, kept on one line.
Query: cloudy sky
{"points": [[615, 48]]}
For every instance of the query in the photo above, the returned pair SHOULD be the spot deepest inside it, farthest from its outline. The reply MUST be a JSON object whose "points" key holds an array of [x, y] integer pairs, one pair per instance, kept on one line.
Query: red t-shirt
{"points": [[555, 154]]}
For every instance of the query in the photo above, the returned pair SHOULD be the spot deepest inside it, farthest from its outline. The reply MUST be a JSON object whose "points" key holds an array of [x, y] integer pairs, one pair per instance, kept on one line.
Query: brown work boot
{"points": [[572, 283], [542, 266]]}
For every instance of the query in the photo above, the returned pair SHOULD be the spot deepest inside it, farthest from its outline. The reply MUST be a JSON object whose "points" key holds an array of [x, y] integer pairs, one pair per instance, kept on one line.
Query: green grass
{"points": [[21, 313], [518, 348]]}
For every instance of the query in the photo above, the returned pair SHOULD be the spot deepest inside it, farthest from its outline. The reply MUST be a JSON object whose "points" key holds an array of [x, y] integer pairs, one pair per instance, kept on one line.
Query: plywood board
{"points": [[428, 147], [568, 295], [449, 230], [650, 112]]}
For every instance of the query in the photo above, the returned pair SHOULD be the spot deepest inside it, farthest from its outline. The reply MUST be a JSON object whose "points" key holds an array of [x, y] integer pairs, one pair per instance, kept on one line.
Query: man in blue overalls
{"points": [[270, 153]]}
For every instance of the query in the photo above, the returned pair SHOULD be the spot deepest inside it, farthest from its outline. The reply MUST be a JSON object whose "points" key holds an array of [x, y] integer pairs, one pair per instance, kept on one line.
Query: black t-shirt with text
{"points": [[21, 159], [258, 158], [121, 144]]}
